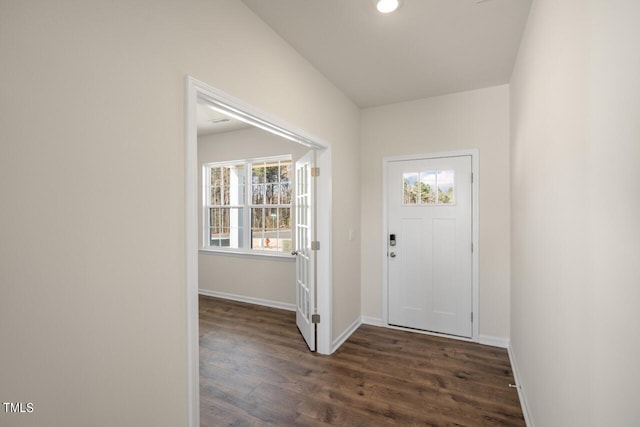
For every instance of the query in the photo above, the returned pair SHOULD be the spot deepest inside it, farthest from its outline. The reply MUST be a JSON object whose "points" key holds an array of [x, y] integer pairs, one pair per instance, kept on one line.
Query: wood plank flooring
{"points": [[255, 370]]}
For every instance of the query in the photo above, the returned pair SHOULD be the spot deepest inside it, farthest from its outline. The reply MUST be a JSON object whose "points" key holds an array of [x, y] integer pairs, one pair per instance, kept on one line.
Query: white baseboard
{"points": [[345, 334], [250, 300], [521, 395], [376, 321], [373, 321], [493, 341]]}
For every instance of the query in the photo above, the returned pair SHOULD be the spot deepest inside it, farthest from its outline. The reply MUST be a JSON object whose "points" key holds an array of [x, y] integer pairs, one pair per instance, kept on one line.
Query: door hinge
{"points": [[315, 318], [471, 247], [472, 178], [315, 245], [472, 317], [315, 171]]}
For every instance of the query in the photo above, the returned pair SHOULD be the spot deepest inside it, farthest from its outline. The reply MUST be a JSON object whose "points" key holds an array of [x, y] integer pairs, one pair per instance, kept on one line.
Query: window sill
{"points": [[275, 256]]}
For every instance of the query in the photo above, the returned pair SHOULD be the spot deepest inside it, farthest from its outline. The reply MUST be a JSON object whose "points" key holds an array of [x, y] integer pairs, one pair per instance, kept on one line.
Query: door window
{"points": [[429, 188]]}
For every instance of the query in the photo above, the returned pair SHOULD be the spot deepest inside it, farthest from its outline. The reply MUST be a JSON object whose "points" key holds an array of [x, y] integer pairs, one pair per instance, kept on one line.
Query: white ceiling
{"points": [[211, 121], [426, 48]]}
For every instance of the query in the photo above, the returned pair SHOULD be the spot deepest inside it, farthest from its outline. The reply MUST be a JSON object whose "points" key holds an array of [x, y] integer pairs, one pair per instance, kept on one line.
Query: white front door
{"points": [[429, 245], [305, 255]]}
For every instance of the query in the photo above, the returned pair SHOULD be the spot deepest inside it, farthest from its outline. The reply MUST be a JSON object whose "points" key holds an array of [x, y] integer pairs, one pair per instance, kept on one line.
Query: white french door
{"points": [[305, 255], [429, 244]]}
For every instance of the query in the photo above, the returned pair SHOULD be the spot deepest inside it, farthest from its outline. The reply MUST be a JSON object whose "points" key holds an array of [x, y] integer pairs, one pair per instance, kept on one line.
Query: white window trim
{"points": [[246, 249]]}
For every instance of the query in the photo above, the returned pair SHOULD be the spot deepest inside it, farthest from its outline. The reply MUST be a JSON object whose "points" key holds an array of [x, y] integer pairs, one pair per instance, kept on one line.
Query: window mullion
{"points": [[206, 229], [247, 206]]}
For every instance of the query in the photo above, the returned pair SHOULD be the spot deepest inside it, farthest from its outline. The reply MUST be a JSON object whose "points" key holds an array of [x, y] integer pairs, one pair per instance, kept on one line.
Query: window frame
{"points": [[437, 194], [246, 205]]}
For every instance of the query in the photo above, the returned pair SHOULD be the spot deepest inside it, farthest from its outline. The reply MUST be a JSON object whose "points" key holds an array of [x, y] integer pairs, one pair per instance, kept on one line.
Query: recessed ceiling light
{"points": [[387, 6]]}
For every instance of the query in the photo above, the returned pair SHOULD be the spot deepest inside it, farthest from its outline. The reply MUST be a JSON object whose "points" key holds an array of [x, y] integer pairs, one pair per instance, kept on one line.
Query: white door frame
{"points": [[474, 236], [195, 89]]}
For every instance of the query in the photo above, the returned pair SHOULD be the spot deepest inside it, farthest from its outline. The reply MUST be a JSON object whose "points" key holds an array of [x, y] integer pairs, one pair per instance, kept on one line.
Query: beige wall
{"points": [[477, 119], [265, 278], [92, 257], [575, 192], [271, 280]]}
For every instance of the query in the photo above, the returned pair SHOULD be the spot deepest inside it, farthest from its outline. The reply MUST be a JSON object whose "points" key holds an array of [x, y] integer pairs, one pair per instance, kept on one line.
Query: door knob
{"points": [[294, 253], [392, 254]]}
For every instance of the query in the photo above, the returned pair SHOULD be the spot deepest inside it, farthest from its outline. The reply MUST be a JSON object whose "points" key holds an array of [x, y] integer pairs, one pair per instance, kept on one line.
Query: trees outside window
{"points": [[248, 205], [429, 188]]}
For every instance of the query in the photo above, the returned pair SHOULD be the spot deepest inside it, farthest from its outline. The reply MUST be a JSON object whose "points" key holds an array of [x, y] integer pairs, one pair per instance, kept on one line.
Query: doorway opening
{"points": [[197, 91]]}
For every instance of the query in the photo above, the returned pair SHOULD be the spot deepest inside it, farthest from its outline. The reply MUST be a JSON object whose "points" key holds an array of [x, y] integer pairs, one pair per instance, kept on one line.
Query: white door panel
{"points": [[305, 256], [430, 266]]}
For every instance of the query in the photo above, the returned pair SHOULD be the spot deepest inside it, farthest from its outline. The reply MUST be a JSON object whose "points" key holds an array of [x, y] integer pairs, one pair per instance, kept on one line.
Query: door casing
{"points": [[475, 157]]}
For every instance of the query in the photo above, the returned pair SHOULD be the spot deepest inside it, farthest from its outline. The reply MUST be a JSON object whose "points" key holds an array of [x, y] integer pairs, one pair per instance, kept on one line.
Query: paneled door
{"points": [[429, 245], [305, 255]]}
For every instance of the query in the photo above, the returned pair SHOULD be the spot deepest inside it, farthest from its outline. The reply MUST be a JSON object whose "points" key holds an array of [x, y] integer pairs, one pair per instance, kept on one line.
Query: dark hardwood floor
{"points": [[255, 370]]}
